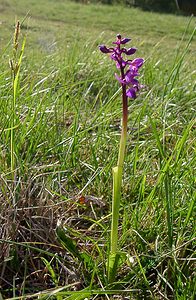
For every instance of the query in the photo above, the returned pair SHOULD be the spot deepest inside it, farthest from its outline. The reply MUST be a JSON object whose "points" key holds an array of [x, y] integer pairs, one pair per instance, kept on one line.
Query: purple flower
{"points": [[131, 93], [129, 51], [124, 41], [121, 41], [104, 49], [128, 68], [138, 62]]}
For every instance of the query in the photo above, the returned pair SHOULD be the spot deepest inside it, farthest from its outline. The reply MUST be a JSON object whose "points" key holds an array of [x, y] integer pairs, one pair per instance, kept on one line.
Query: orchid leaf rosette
{"points": [[127, 77]]}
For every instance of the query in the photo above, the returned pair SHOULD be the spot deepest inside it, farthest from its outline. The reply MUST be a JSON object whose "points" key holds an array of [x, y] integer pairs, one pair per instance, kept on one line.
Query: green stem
{"points": [[117, 175], [117, 184], [123, 139], [12, 127]]}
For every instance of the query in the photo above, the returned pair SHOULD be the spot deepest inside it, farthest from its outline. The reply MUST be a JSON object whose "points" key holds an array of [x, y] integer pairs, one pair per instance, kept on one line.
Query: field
{"points": [[59, 136]]}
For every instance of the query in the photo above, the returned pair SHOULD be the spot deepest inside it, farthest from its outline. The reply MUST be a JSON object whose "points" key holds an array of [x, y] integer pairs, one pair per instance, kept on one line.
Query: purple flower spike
{"points": [[128, 68]]}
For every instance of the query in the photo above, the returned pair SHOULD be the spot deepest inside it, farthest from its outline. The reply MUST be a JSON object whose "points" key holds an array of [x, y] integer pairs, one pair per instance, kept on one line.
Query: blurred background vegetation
{"points": [[169, 6]]}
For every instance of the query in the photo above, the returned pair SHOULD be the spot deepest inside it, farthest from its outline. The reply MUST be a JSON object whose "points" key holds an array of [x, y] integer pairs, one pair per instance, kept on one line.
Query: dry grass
{"points": [[28, 233]]}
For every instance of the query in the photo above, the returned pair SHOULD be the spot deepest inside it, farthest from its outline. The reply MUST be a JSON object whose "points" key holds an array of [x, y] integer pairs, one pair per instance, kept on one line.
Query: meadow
{"points": [[59, 135]]}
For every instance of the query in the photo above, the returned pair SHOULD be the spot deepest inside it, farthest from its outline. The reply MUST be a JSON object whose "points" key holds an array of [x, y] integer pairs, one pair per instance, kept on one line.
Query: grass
{"points": [[53, 242]]}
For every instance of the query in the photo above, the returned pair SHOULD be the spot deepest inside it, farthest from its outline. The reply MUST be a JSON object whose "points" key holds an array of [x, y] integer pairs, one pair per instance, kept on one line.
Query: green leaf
{"points": [[50, 269], [156, 134], [70, 245], [67, 242]]}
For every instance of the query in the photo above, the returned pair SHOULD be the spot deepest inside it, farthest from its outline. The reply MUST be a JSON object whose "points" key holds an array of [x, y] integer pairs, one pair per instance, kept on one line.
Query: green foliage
{"points": [[69, 109], [157, 5], [153, 5]]}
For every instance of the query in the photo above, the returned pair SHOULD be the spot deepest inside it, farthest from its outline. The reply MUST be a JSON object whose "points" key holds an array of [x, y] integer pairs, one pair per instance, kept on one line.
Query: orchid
{"points": [[129, 71], [128, 68]]}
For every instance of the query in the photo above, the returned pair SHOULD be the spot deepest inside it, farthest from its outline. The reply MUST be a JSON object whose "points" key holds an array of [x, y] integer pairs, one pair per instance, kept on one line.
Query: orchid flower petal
{"points": [[130, 51], [124, 41], [138, 62], [119, 79], [131, 93], [104, 49]]}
